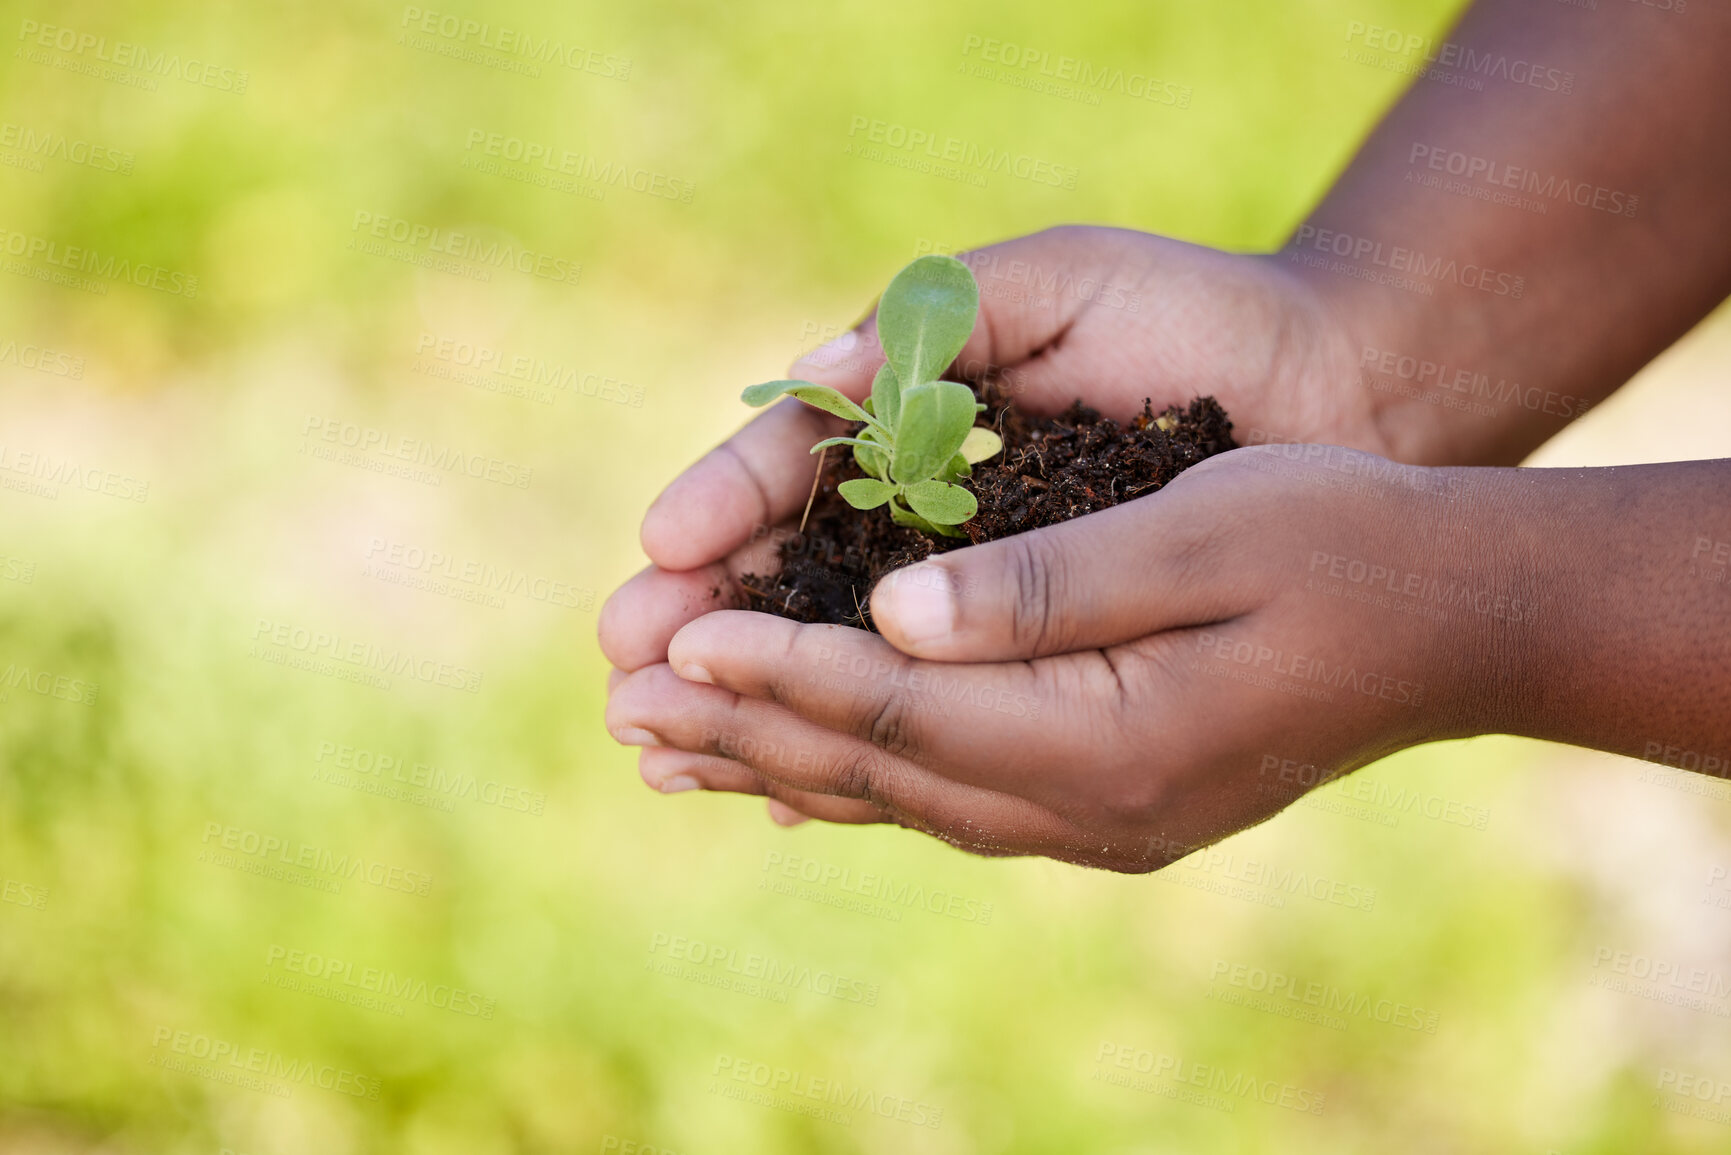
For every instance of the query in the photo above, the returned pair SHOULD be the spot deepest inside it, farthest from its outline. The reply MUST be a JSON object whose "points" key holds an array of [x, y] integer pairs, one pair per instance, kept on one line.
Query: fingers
{"points": [[642, 616], [789, 751], [990, 725], [816, 771], [757, 477], [672, 771], [784, 815], [1155, 563]]}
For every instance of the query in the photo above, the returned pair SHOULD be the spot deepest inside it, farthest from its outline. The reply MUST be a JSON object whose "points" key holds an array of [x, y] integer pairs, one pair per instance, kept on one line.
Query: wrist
{"points": [[1471, 372], [1406, 359], [1488, 557]]}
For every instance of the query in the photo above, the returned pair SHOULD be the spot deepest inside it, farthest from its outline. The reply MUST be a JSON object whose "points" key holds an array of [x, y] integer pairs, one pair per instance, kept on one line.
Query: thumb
{"points": [[1100, 580], [848, 363]]}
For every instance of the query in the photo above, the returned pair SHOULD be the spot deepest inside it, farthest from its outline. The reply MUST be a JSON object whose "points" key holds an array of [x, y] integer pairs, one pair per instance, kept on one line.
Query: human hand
{"points": [[1130, 316], [1117, 690]]}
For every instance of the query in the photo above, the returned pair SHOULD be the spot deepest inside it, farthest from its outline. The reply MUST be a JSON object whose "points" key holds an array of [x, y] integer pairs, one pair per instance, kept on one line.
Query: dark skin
{"points": [[1114, 691]]}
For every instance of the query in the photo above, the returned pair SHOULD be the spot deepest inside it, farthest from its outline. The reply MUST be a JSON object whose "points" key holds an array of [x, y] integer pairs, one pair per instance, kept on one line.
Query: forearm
{"points": [[1532, 248], [1626, 644]]}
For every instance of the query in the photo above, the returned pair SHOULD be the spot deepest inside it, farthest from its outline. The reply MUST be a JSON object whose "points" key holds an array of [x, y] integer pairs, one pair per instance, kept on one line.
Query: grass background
{"points": [[557, 918]]}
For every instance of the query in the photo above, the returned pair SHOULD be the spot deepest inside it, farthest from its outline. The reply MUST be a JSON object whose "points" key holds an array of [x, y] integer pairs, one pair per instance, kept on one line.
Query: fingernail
{"points": [[633, 736], [840, 347], [679, 783], [784, 815], [692, 672], [833, 352], [916, 600]]}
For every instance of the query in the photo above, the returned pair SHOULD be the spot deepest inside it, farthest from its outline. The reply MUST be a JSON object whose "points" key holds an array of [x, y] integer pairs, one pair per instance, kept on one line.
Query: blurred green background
{"points": [[261, 898]]}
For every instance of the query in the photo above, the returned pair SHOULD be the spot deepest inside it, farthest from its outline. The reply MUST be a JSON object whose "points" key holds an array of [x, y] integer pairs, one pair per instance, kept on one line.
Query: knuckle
{"points": [[1196, 557], [890, 726], [1136, 804], [1037, 576], [855, 776]]}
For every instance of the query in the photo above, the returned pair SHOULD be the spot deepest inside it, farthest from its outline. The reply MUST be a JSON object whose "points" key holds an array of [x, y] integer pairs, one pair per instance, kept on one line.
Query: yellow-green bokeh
{"points": [[554, 918]]}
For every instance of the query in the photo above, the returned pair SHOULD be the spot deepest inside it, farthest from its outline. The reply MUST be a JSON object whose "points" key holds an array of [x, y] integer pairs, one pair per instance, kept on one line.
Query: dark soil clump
{"points": [[1051, 470]]}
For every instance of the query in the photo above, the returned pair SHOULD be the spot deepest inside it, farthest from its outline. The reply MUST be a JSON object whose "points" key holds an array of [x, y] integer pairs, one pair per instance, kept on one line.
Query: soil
{"points": [[1052, 469]]}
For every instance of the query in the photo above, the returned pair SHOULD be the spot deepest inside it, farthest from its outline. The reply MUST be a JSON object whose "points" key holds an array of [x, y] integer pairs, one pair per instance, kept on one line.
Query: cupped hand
{"points": [[1109, 316], [1117, 690]]}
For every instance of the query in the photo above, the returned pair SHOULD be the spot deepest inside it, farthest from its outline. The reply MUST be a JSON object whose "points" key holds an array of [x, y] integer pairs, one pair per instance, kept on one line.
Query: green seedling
{"points": [[919, 434]]}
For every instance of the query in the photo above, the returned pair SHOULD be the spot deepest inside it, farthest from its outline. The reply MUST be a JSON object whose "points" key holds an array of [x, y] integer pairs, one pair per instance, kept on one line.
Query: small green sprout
{"points": [[919, 434]]}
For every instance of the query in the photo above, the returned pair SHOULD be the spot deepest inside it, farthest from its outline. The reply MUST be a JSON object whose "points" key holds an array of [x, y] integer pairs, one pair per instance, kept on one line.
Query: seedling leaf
{"points": [[829, 441], [874, 459], [886, 398], [934, 422], [915, 521], [941, 503], [981, 444], [926, 316], [864, 493], [821, 396], [958, 467]]}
